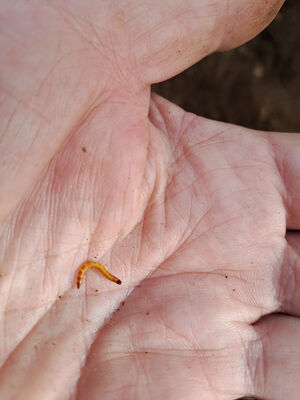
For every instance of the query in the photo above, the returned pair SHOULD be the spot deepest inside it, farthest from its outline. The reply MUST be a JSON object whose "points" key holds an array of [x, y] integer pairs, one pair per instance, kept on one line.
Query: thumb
{"points": [[184, 32]]}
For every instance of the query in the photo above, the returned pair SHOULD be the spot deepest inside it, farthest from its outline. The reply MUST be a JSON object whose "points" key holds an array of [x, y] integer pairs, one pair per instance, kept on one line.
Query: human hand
{"points": [[191, 214]]}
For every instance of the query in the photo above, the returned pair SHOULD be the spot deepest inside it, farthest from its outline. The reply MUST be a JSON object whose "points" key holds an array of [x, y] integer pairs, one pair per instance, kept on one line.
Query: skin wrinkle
{"points": [[186, 241], [179, 353], [202, 144], [147, 379], [190, 307], [27, 309], [287, 279], [48, 76], [155, 109], [185, 235], [187, 122], [231, 168], [229, 29], [11, 118], [248, 380], [122, 73], [187, 340], [260, 308], [115, 59], [204, 274], [30, 145], [263, 359], [225, 26], [27, 105], [258, 371], [201, 353], [174, 146], [186, 152], [75, 23], [283, 191], [184, 356], [47, 276], [9, 291], [180, 243], [104, 47]]}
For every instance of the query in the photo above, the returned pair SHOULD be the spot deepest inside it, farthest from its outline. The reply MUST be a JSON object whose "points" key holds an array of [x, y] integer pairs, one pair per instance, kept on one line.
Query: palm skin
{"points": [[190, 214]]}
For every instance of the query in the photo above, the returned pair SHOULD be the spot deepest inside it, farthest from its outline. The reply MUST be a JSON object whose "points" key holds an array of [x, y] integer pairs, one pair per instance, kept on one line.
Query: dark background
{"points": [[256, 85]]}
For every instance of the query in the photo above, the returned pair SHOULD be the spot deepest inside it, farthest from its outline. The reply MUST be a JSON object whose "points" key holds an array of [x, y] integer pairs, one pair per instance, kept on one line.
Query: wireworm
{"points": [[100, 267]]}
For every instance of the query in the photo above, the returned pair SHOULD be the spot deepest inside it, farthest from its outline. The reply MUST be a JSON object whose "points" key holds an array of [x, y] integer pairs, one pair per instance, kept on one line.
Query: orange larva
{"points": [[100, 267]]}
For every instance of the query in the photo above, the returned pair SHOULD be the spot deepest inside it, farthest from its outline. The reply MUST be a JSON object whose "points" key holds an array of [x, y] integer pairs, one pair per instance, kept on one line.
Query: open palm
{"points": [[190, 214]]}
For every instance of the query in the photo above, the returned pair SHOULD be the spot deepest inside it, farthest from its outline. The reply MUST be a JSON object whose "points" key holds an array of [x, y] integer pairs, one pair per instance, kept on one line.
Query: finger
{"points": [[286, 148], [246, 20], [276, 373], [178, 34], [289, 281]]}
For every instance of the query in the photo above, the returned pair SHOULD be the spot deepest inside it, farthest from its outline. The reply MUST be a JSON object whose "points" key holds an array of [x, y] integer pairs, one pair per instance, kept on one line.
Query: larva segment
{"points": [[100, 267]]}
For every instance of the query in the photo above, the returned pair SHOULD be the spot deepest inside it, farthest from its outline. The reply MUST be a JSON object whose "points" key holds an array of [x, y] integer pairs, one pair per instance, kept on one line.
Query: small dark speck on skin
{"points": [[123, 302], [226, 276], [83, 149], [59, 297], [233, 290], [147, 313], [146, 352], [96, 290]]}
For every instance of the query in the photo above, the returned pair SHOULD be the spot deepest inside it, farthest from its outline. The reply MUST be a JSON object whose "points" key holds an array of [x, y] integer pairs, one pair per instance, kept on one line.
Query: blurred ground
{"points": [[256, 85]]}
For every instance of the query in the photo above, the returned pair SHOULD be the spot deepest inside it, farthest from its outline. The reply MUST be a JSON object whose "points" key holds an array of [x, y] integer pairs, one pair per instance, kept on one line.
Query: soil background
{"points": [[256, 85]]}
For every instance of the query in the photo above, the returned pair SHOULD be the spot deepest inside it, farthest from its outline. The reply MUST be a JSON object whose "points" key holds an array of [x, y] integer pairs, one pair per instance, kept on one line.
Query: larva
{"points": [[100, 267]]}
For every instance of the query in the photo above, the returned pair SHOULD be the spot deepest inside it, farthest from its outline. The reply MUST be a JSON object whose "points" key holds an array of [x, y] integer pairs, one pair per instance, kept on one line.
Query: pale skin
{"points": [[199, 219]]}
